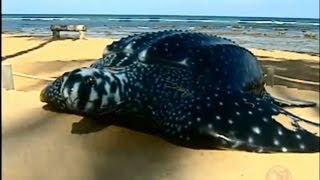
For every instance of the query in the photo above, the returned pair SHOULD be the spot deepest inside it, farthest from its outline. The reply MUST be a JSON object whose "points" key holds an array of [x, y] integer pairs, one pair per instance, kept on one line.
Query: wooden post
{"points": [[81, 35], [270, 76], [55, 34], [7, 78]]}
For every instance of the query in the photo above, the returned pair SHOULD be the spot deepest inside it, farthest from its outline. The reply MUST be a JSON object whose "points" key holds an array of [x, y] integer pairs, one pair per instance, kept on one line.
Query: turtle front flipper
{"points": [[243, 122]]}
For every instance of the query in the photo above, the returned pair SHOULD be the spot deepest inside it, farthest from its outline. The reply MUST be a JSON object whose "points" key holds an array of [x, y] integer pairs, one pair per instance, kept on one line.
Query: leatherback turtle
{"points": [[193, 86], [121, 53]]}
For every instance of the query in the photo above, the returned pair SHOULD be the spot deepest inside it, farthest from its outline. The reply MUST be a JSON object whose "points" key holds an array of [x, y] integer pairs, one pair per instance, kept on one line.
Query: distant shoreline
{"points": [[66, 36], [168, 15], [288, 34]]}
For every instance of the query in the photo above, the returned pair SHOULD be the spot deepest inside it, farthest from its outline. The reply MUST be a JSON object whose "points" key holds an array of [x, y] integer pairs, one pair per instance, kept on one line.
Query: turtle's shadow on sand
{"points": [[133, 122], [89, 125]]}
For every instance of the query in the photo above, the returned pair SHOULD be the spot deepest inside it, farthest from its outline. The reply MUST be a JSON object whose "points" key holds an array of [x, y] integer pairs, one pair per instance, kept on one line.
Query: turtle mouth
{"points": [[52, 96], [43, 97], [73, 104]]}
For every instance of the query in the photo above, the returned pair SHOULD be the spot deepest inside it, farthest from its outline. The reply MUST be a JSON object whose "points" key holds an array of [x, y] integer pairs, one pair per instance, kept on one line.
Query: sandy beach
{"points": [[40, 144]]}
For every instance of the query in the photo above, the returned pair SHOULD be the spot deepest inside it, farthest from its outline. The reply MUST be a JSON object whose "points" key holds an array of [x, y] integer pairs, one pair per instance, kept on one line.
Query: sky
{"points": [[257, 8]]}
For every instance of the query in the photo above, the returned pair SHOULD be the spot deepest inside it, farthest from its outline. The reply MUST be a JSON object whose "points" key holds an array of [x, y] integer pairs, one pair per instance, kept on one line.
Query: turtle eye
{"points": [[90, 80]]}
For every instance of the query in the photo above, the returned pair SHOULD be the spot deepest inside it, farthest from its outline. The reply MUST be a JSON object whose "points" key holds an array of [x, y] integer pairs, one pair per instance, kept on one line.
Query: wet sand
{"points": [[40, 144]]}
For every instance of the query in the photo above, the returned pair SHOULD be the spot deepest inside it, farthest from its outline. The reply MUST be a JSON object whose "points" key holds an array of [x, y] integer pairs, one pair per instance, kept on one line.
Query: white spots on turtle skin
{"points": [[183, 62], [265, 119], [302, 146], [230, 121], [128, 48], [256, 130], [198, 119], [123, 60], [235, 103], [260, 109], [218, 118], [283, 149], [250, 140], [221, 103], [220, 136], [298, 136], [237, 113], [276, 142], [250, 112], [210, 126], [142, 55], [275, 110], [280, 132], [260, 150]]}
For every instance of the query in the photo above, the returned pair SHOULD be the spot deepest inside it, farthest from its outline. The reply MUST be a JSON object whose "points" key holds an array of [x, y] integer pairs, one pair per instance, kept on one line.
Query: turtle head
{"points": [[84, 91]]}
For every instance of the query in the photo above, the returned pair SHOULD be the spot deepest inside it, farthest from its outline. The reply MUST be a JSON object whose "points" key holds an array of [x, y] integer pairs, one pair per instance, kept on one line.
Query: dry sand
{"points": [[39, 144]]}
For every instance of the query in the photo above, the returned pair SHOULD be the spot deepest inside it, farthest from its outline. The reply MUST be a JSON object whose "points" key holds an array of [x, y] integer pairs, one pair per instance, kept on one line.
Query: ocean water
{"points": [[258, 32]]}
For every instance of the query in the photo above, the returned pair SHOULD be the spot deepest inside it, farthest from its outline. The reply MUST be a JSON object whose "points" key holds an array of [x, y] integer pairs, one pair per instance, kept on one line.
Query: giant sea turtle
{"points": [[193, 86]]}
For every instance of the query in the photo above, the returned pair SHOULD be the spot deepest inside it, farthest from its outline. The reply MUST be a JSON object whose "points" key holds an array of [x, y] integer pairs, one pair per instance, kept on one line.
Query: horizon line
{"points": [[156, 15]]}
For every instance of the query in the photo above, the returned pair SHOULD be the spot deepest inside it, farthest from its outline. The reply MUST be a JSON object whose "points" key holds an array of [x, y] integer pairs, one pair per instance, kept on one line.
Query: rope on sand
{"points": [[297, 80], [32, 77], [276, 76]]}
